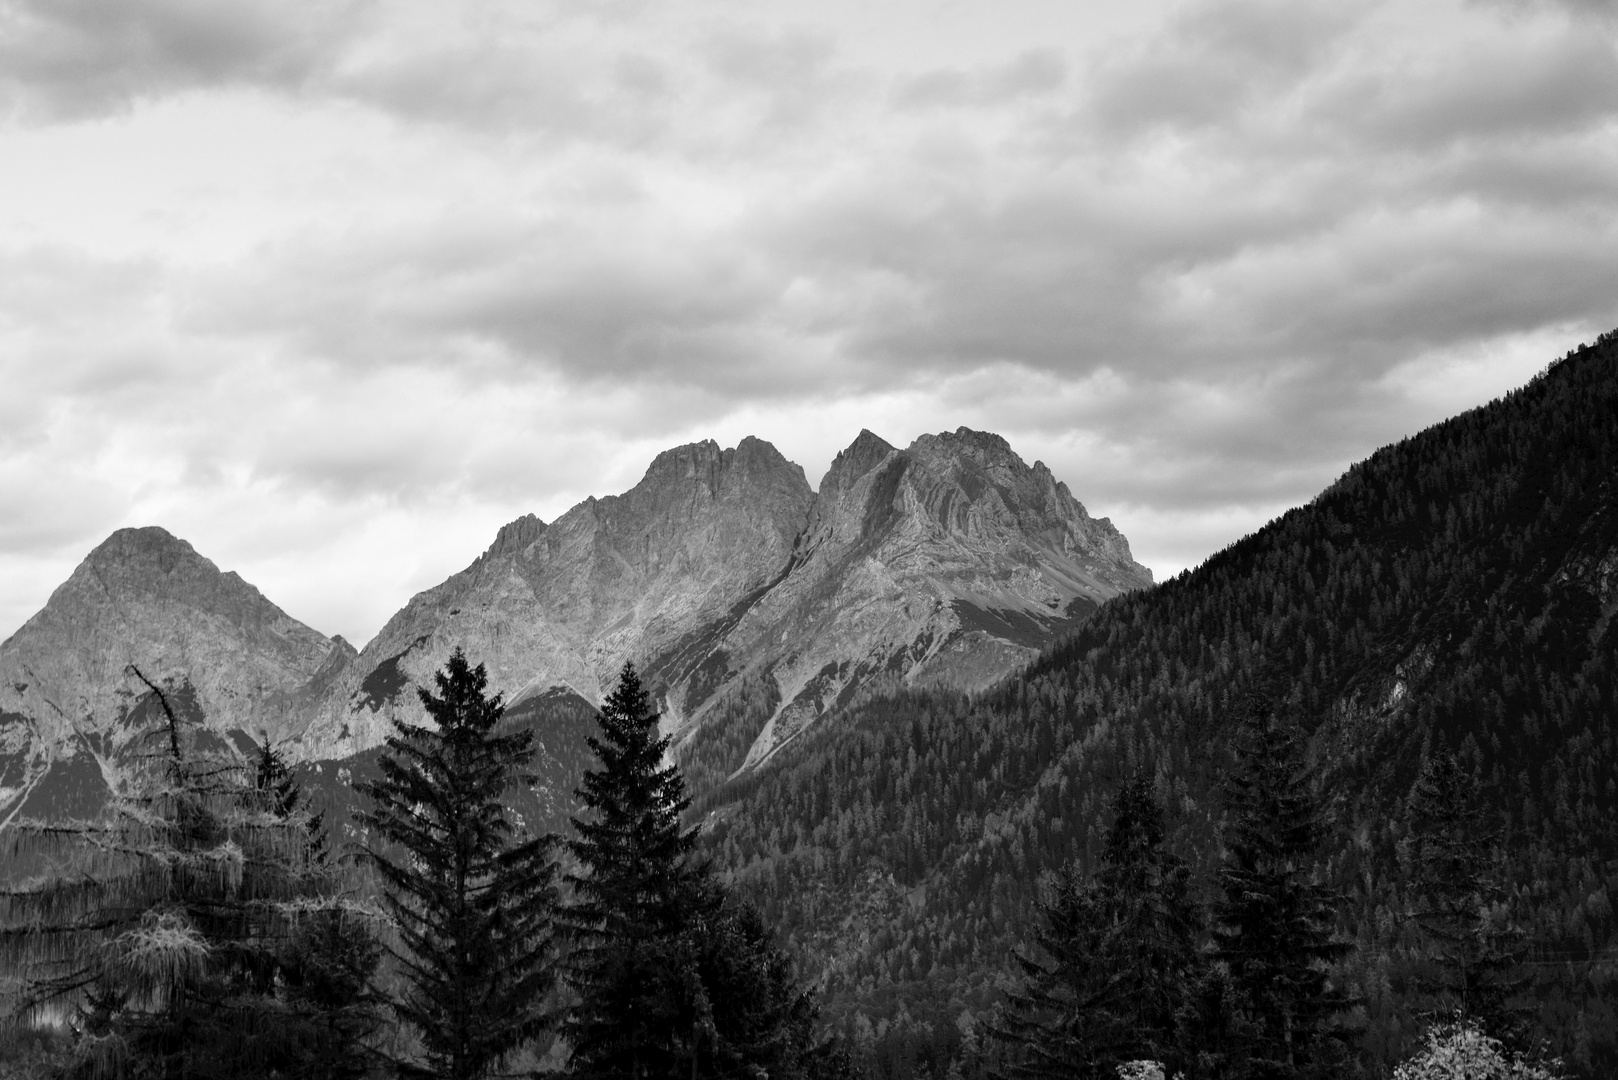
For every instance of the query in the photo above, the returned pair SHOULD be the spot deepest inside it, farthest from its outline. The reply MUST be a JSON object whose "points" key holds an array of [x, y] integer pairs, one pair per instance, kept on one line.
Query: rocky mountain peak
{"points": [[146, 597], [862, 455], [515, 537]]}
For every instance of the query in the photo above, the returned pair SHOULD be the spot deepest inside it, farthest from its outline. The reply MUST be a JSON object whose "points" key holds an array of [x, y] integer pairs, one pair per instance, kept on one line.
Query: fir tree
{"points": [[472, 896], [157, 939], [630, 964], [1460, 905], [1274, 926], [1122, 957], [673, 975]]}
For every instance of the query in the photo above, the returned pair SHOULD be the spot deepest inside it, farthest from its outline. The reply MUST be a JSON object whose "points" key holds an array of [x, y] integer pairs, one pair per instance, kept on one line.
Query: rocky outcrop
{"points": [[637, 576], [145, 597], [951, 561]]}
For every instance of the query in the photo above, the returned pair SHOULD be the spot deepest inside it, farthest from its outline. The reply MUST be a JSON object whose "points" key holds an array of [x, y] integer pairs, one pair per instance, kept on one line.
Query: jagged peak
{"points": [[516, 535], [706, 462], [982, 447], [860, 457], [689, 454]]}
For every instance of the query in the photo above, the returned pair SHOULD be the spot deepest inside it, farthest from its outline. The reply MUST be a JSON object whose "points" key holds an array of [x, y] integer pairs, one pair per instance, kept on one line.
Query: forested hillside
{"points": [[1453, 593]]}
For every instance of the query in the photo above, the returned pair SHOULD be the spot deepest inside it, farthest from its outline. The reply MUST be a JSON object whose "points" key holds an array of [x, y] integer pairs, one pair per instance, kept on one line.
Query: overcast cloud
{"points": [[334, 289]]}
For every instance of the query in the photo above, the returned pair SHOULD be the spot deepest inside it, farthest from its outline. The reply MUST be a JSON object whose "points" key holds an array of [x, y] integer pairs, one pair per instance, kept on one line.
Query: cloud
{"points": [[75, 58], [315, 280]]}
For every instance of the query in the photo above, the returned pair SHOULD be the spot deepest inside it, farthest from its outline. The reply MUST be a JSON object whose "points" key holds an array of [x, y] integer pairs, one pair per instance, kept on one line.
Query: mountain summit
{"points": [[752, 603], [145, 597]]}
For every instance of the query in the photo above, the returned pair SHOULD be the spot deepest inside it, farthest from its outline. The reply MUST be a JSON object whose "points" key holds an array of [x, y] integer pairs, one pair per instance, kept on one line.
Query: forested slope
{"points": [[1455, 591]]}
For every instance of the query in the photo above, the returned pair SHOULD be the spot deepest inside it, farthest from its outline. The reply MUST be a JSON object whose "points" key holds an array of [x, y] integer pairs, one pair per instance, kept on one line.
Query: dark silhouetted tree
{"points": [[472, 895], [1120, 957], [1470, 947], [1274, 926], [673, 976]]}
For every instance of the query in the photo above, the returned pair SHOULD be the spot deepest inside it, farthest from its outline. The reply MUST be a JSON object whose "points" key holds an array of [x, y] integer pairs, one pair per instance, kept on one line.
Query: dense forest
{"points": [[1452, 594]]}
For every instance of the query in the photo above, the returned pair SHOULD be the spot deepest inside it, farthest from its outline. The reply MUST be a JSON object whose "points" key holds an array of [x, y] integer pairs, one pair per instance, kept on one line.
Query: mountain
{"points": [[752, 603], [68, 706], [1456, 592]]}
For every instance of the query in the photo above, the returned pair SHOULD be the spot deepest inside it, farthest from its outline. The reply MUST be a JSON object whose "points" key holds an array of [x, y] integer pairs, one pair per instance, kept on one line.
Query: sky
{"points": [[334, 289]]}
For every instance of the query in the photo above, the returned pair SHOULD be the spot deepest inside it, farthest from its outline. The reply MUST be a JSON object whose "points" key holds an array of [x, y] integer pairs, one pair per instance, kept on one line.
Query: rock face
{"points": [[951, 561], [632, 576], [146, 598]]}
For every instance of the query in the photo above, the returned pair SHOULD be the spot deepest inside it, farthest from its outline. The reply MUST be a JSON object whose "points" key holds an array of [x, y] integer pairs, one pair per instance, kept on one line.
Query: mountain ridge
{"points": [[701, 573]]}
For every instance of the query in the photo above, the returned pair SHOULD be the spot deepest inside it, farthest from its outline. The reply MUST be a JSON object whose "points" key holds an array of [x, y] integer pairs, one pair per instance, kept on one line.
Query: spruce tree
{"points": [[630, 965], [159, 939], [1470, 949], [472, 895], [1122, 956], [1274, 925], [673, 975]]}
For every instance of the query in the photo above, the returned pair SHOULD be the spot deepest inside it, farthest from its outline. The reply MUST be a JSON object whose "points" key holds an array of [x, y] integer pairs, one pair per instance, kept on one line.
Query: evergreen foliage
{"points": [[1453, 593], [159, 936], [673, 976], [1470, 950], [1274, 925], [1121, 957], [326, 965], [472, 896], [629, 964]]}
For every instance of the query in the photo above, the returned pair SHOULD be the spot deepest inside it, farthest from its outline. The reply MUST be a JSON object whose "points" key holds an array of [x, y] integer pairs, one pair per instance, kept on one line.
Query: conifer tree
{"points": [[1274, 925], [673, 975], [1459, 904], [324, 969], [157, 937], [472, 896], [630, 964], [1122, 957]]}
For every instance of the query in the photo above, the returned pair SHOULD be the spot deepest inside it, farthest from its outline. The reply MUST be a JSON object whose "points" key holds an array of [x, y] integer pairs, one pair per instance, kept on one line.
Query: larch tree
{"points": [[158, 933], [472, 896]]}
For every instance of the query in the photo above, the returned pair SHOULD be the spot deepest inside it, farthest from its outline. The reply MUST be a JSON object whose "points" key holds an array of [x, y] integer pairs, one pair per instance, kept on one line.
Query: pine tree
{"points": [[472, 896], [159, 938], [1122, 957], [1460, 907], [1274, 926]]}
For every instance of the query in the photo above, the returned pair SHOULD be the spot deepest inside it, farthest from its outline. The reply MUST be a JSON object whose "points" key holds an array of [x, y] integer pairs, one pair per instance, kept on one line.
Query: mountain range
{"points": [[905, 698], [723, 575]]}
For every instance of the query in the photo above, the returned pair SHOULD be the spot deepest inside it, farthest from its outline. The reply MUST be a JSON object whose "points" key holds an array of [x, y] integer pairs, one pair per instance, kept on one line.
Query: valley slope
{"points": [[1456, 592]]}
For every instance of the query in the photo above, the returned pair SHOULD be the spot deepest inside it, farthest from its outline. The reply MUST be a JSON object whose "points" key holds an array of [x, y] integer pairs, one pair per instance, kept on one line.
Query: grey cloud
{"points": [[74, 58], [1214, 62], [1528, 90], [1032, 73]]}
